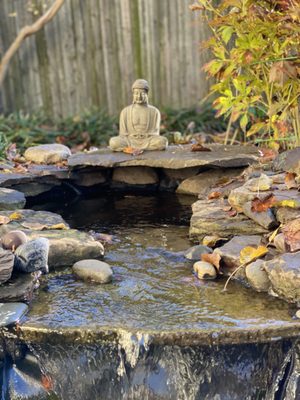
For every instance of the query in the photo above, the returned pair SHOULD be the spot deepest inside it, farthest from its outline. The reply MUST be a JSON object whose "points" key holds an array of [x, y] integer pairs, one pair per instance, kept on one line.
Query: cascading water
{"points": [[156, 332]]}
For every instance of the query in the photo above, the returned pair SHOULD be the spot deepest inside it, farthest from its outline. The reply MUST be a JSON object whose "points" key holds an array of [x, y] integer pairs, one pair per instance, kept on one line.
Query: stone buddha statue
{"points": [[139, 123]]}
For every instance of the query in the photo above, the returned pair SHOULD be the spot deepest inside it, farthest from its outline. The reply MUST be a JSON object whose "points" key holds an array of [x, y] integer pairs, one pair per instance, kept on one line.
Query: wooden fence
{"points": [[93, 50]]}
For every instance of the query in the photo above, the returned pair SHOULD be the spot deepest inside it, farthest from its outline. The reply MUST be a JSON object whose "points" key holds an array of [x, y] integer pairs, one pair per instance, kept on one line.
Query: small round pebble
{"points": [[93, 270], [205, 270]]}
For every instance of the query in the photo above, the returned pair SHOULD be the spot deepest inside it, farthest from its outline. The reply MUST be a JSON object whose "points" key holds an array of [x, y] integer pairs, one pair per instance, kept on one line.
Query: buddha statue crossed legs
{"points": [[139, 123]]}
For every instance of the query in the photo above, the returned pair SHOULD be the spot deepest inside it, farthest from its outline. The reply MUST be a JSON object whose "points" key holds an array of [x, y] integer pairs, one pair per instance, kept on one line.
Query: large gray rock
{"points": [[32, 256], [284, 274], [241, 195], [134, 176], [47, 153], [211, 218], [11, 199], [288, 161], [11, 313], [257, 276], [93, 270], [202, 183], [174, 157], [66, 245]]}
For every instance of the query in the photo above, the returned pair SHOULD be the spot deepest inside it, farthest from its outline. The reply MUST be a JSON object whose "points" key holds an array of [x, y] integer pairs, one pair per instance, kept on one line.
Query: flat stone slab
{"points": [[175, 157], [10, 313], [66, 245], [19, 288], [11, 199]]}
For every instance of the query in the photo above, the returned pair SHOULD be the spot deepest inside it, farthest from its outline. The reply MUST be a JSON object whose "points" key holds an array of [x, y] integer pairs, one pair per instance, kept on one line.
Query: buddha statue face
{"points": [[140, 96]]}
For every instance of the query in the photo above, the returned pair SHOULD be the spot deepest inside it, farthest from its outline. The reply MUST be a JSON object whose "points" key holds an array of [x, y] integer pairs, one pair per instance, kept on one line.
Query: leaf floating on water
{"points": [[290, 181], [291, 232], [213, 258], [199, 147], [4, 220], [261, 205], [15, 216], [47, 382], [249, 254]]}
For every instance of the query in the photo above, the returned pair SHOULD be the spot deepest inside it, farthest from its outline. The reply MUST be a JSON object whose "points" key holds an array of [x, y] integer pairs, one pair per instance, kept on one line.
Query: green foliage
{"points": [[3, 146], [92, 128], [202, 118], [256, 66]]}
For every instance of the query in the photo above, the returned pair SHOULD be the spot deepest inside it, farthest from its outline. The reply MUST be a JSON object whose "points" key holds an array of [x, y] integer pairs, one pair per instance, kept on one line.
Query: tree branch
{"points": [[24, 33]]}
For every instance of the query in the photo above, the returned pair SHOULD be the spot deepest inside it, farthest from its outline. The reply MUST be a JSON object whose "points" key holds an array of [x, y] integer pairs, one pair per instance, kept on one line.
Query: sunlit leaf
{"points": [[249, 253], [261, 205], [213, 258]]}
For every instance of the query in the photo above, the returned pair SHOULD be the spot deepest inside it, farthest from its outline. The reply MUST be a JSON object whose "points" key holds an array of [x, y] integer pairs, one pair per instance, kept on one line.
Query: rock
{"points": [[10, 313], [11, 199], [230, 252], [210, 218], [286, 214], [257, 276], [205, 270], [13, 239], [260, 184], [284, 274], [288, 161], [202, 183], [93, 270], [47, 153], [6, 265], [174, 157], [134, 176], [226, 189], [265, 219], [171, 178], [19, 288], [241, 195], [87, 177], [194, 253], [279, 243], [32, 256]]}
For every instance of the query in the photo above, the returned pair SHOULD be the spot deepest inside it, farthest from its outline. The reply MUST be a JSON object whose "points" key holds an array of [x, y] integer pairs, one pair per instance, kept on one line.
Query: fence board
{"points": [[93, 50]]}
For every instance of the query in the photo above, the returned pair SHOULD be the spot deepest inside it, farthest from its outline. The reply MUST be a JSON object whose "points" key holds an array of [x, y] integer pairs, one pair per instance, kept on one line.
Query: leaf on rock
{"points": [[267, 154], [214, 195], [15, 216], [133, 151], [58, 226], [291, 232], [213, 258], [261, 205], [249, 254], [199, 147], [291, 203], [4, 220], [210, 241], [290, 181]]}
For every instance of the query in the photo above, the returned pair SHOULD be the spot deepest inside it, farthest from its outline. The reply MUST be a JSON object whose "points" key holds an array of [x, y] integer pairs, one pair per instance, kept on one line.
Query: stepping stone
{"points": [[10, 313], [93, 270]]}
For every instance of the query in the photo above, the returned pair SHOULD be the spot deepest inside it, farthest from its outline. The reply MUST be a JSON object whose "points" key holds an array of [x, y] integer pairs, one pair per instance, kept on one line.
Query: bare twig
{"points": [[24, 33]]}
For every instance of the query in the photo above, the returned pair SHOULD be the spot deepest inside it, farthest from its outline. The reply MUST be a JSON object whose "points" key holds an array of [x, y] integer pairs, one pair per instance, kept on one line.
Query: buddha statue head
{"points": [[140, 89]]}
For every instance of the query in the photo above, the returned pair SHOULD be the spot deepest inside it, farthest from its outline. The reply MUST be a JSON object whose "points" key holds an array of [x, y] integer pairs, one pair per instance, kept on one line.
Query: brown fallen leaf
{"points": [[20, 169], [227, 208], [290, 181], [214, 195], [232, 213], [249, 254], [213, 258], [4, 220], [199, 147], [132, 151], [58, 226], [261, 205], [291, 232], [267, 154], [47, 382]]}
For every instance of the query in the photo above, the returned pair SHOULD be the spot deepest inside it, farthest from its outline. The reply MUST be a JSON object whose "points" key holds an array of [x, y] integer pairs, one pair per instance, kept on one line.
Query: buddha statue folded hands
{"points": [[139, 123]]}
